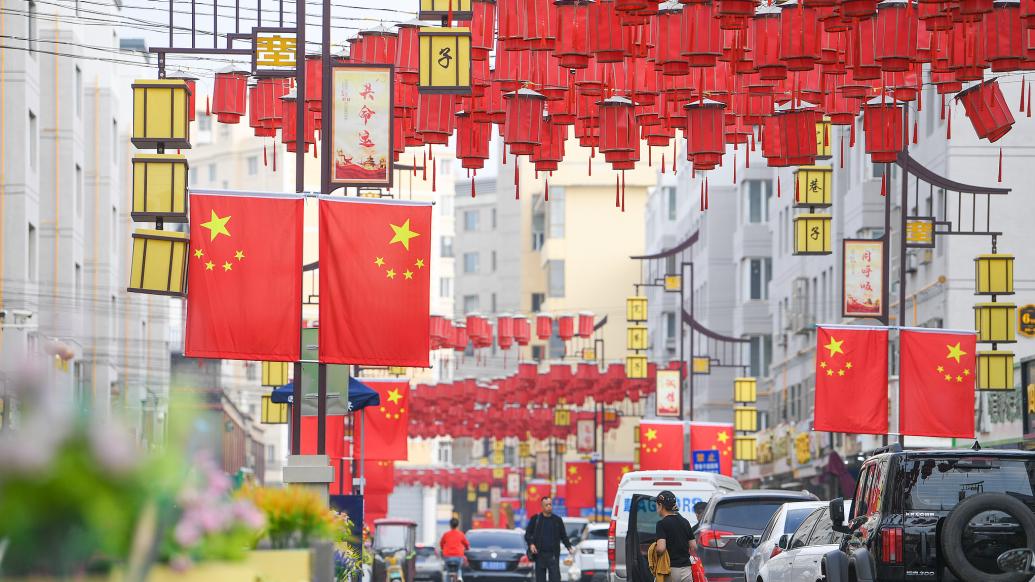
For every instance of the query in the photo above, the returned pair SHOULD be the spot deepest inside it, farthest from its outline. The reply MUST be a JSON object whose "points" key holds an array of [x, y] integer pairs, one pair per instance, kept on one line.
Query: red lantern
{"points": [[435, 117], [858, 8], [313, 82], [585, 324], [882, 122], [668, 37], [606, 37], [459, 336], [766, 32], [800, 36], [967, 51], [1005, 34], [550, 152], [861, 52], [789, 137], [701, 38], [260, 127], [705, 134], [522, 330], [538, 24], [407, 53], [483, 29], [986, 107], [735, 14], [472, 141], [566, 327], [897, 25], [523, 131], [543, 326], [270, 107], [379, 46], [572, 46], [289, 124], [619, 131], [505, 331], [230, 95]]}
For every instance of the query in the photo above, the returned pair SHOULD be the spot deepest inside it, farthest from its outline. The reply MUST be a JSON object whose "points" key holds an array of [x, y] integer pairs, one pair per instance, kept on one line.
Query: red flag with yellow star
{"points": [[937, 383], [851, 380], [244, 279], [580, 486], [385, 428], [661, 445], [613, 473], [375, 280], [534, 493], [709, 436]]}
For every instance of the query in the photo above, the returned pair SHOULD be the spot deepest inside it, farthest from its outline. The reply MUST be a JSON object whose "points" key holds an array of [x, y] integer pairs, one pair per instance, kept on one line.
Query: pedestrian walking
{"points": [[675, 536], [545, 534]]}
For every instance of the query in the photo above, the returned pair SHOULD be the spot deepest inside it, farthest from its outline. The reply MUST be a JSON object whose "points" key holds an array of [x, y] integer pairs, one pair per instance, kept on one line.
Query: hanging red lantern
{"points": [[459, 336], [522, 330], [858, 8], [668, 55], [789, 136], [1005, 35], [483, 29], [619, 131], [230, 95], [986, 107], [505, 331], [861, 52], [735, 14], [435, 117], [705, 134], [407, 53], [800, 36], [701, 37], [508, 14], [379, 46], [550, 152], [548, 78], [523, 130], [883, 125], [543, 326], [572, 46], [538, 24], [765, 28], [289, 124], [586, 324], [472, 141], [896, 32], [258, 125], [566, 327], [967, 51], [313, 82], [606, 37]]}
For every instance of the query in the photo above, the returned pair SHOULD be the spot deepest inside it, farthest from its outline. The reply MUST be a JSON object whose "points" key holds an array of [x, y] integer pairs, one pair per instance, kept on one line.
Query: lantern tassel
{"points": [[747, 156], [315, 155], [826, 132], [1028, 112], [274, 157], [942, 114], [797, 191], [701, 203], [914, 131], [618, 202], [842, 160], [650, 156], [623, 190], [734, 166], [948, 126], [265, 158], [474, 191], [208, 111], [851, 136], [662, 162], [1000, 164], [674, 158], [546, 190], [779, 187], [434, 176], [431, 153], [517, 180], [1022, 94], [706, 192], [884, 184], [413, 167], [752, 141], [589, 165]]}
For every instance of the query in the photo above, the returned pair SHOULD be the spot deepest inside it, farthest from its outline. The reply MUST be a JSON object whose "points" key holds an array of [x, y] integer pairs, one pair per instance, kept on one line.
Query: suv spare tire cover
{"points": [[951, 538]]}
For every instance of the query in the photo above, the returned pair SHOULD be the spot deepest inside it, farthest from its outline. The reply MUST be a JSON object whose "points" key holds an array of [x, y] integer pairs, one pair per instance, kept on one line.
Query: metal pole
{"points": [[693, 320], [902, 250], [321, 410], [326, 97], [300, 97], [362, 453], [597, 425], [296, 412]]}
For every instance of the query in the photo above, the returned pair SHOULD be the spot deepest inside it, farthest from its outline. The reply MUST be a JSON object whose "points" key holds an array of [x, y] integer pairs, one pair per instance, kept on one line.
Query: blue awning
{"points": [[360, 395]]}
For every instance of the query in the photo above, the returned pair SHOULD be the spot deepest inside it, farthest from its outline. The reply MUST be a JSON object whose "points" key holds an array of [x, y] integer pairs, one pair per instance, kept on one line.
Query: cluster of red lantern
{"points": [[509, 330], [452, 477]]}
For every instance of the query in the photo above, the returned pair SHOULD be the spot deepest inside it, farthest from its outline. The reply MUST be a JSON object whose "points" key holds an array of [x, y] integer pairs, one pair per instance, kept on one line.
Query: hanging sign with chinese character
{"points": [[585, 435], [361, 126], [667, 393], [920, 232], [445, 60], [863, 283], [273, 51], [1026, 321]]}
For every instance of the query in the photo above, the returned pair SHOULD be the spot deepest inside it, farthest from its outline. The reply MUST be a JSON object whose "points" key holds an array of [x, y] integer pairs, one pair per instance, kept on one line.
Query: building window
{"points": [[114, 229], [471, 262], [211, 172], [193, 177], [251, 371], [79, 194], [114, 141], [78, 92], [445, 166], [471, 303], [253, 165], [670, 325], [492, 303], [670, 201], [555, 213], [33, 28], [34, 138], [78, 284], [447, 246], [445, 287], [537, 301], [204, 122], [537, 353], [538, 229], [670, 265], [224, 131], [759, 273], [761, 355], [493, 262], [555, 278], [470, 220], [756, 205], [493, 219], [32, 256]]}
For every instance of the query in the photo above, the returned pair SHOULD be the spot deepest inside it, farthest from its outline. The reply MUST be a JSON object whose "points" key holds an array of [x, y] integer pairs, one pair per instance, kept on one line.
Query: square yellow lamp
{"points": [[702, 365], [159, 188], [824, 150], [673, 283], [275, 373], [159, 263], [636, 367], [745, 448], [636, 309], [812, 234], [636, 337], [445, 60], [498, 474], [562, 448], [745, 390], [813, 186], [160, 114], [995, 370], [273, 412], [435, 9], [994, 274], [745, 419], [996, 322]]}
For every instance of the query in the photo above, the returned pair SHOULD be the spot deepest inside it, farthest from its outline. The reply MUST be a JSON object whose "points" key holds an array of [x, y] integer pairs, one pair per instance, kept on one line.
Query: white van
{"points": [[689, 487]]}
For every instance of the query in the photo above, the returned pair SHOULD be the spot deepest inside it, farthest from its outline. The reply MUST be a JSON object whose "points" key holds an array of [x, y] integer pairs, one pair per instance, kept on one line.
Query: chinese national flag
{"points": [[334, 437], [661, 446], [852, 380], [580, 486], [534, 493], [613, 473], [714, 437], [244, 280], [385, 428], [937, 383], [375, 279], [379, 475], [375, 505]]}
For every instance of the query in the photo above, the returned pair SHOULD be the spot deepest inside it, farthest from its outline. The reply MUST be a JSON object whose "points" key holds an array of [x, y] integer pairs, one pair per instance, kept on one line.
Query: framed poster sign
{"points": [[361, 126], [585, 435], [863, 282], [667, 393]]}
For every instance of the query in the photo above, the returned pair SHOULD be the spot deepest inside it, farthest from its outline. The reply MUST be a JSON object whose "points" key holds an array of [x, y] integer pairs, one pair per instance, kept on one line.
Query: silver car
{"points": [[784, 522]]}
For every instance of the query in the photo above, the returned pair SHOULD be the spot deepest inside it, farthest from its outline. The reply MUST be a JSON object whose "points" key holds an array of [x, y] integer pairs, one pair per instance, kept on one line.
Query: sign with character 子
{"points": [[361, 126]]}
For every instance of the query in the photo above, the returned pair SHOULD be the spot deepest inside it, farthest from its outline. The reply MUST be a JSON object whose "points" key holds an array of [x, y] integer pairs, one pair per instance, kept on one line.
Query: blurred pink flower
{"points": [[180, 563], [114, 448], [187, 533], [249, 515]]}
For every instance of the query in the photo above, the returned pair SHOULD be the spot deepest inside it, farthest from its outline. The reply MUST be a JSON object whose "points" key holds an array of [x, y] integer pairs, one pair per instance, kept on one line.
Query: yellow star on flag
{"points": [[830, 372], [835, 346], [227, 266], [209, 265], [948, 377], [394, 396], [239, 255], [379, 261], [403, 234], [840, 372], [848, 366], [419, 264], [959, 378], [573, 470], [941, 369], [216, 226], [722, 437], [966, 372], [955, 352], [390, 273], [651, 434], [408, 274], [199, 253], [822, 364]]}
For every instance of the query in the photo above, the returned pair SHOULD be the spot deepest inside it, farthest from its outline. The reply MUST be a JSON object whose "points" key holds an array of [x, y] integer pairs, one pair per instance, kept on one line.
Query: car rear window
{"points": [[598, 534], [751, 514], [425, 552], [496, 539], [794, 519], [940, 484]]}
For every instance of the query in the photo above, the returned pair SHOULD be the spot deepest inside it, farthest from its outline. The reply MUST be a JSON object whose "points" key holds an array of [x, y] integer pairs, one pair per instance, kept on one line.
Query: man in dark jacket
{"points": [[544, 537]]}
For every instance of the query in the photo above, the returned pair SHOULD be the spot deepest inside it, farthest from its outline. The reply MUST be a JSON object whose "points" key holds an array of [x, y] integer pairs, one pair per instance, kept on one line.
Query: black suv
{"points": [[935, 515]]}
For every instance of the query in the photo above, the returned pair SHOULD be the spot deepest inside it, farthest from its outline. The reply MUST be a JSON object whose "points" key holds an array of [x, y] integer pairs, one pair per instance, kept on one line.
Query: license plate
{"points": [[494, 565]]}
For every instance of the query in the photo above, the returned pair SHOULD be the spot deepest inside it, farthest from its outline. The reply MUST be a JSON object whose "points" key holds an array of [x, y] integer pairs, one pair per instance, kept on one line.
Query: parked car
{"points": [[936, 515], [591, 554], [785, 521], [574, 527], [690, 487], [731, 515], [496, 555], [801, 552], [430, 566]]}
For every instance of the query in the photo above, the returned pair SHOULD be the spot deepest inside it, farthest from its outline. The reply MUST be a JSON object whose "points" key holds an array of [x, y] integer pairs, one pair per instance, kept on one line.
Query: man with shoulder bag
{"points": [[545, 534]]}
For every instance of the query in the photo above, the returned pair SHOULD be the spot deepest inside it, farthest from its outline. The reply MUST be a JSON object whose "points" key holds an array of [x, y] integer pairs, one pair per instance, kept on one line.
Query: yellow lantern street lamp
{"points": [[160, 114], [273, 412], [996, 322], [275, 373], [445, 60], [636, 366], [994, 274], [159, 188], [813, 186], [636, 337], [745, 419], [995, 370], [745, 448], [745, 390], [824, 151], [636, 309], [435, 9], [159, 263], [812, 234]]}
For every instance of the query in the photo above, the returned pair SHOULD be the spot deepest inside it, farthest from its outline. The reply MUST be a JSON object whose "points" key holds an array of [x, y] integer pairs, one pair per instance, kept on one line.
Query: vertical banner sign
{"points": [[585, 433], [863, 284], [666, 401], [513, 483], [361, 126], [542, 465]]}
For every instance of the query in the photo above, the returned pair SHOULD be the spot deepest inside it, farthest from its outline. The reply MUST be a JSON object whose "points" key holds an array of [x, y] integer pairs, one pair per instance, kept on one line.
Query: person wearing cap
{"points": [[675, 536]]}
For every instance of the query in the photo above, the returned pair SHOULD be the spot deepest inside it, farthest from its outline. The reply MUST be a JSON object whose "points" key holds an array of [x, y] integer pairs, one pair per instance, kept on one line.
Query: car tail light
{"points": [[524, 563], [611, 544], [776, 552], [891, 545], [715, 538]]}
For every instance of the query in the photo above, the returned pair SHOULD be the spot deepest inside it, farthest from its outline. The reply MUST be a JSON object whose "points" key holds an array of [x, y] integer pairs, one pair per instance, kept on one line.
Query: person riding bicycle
{"points": [[453, 544]]}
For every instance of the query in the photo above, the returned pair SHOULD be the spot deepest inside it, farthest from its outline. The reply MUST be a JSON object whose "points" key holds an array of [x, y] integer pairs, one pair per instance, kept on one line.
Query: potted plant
{"points": [[296, 519]]}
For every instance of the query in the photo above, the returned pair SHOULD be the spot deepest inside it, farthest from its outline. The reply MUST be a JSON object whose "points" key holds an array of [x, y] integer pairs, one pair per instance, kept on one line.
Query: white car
{"points": [[591, 556], [802, 554], [785, 521]]}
